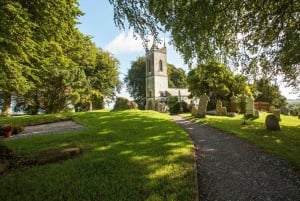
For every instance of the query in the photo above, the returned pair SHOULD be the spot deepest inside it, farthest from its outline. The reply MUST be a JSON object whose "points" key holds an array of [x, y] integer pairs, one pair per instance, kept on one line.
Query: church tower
{"points": [[156, 75]]}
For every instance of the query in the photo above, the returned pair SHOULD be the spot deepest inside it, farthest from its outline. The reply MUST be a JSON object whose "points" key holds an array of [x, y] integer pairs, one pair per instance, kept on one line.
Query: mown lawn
{"points": [[284, 143], [129, 155]]}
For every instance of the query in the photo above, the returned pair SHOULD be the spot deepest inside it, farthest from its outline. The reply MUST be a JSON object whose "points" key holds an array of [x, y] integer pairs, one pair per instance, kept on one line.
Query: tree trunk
{"points": [[6, 105]]}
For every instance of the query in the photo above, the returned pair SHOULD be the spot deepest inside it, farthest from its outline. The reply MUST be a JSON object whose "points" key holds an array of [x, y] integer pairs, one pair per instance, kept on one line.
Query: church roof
{"points": [[175, 92]]}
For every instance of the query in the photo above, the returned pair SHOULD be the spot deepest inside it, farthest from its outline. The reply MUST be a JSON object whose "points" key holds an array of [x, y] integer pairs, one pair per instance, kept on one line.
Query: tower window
{"points": [[149, 66], [160, 65]]}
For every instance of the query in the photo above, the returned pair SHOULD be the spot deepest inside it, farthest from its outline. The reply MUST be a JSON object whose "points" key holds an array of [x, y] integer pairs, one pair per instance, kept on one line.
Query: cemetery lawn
{"points": [[285, 144], [127, 155]]}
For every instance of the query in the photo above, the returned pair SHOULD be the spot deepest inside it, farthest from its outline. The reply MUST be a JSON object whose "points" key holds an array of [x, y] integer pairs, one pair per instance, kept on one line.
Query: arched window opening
{"points": [[160, 65], [149, 66]]}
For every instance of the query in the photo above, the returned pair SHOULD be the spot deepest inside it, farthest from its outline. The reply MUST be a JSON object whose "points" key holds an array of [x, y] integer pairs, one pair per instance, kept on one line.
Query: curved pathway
{"points": [[229, 168]]}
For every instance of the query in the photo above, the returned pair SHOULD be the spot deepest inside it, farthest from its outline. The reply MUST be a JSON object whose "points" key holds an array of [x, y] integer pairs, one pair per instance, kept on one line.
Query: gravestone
{"points": [[202, 108], [194, 110], [272, 123], [220, 110], [256, 114], [276, 112], [163, 107], [284, 110], [243, 103], [233, 105], [250, 107], [271, 108]]}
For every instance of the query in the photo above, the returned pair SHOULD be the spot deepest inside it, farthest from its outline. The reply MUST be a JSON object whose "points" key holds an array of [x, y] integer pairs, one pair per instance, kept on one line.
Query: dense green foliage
{"points": [[284, 143], [263, 37], [129, 155], [46, 63], [176, 77], [217, 81], [135, 80], [268, 92]]}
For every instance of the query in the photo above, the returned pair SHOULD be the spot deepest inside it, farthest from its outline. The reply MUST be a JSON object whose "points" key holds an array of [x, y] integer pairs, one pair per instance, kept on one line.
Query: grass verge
{"points": [[129, 155], [284, 144]]}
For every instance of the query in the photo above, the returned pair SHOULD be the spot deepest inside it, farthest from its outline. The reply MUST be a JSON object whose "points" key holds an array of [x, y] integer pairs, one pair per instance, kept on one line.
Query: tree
{"points": [[28, 30], [268, 92], [239, 30], [103, 78], [16, 50], [135, 81], [214, 79], [176, 77]]}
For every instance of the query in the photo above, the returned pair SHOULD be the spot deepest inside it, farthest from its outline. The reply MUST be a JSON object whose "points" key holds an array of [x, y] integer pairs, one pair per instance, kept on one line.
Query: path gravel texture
{"points": [[229, 168], [51, 128]]}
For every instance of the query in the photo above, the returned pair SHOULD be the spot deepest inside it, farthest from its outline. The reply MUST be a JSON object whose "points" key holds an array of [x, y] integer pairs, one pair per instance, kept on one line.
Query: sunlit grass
{"points": [[284, 143], [130, 155]]}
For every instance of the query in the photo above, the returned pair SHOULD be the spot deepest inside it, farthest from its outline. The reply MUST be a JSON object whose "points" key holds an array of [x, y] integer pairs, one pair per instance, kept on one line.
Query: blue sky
{"points": [[98, 22]]}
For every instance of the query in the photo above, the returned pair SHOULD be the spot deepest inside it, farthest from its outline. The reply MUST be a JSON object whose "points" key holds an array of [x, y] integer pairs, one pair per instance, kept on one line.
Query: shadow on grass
{"points": [[126, 156]]}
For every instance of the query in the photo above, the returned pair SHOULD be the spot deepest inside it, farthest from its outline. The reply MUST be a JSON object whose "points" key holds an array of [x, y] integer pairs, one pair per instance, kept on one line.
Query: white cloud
{"points": [[125, 43]]}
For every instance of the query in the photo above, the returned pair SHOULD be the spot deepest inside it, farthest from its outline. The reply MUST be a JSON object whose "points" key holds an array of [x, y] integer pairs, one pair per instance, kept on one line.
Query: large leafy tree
{"points": [[29, 29], [103, 78], [264, 34], [135, 81], [268, 92], [216, 80], [16, 51], [176, 77]]}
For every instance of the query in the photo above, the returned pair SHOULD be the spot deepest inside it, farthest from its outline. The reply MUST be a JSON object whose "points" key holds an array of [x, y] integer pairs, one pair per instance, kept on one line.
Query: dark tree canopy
{"points": [[46, 62], [176, 77], [263, 37]]}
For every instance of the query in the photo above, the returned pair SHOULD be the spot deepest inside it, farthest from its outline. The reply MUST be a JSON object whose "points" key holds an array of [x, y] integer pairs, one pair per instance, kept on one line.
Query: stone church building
{"points": [[157, 89]]}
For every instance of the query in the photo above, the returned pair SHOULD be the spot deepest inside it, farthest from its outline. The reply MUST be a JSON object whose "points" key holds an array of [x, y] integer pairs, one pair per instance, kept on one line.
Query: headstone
{"points": [[203, 105], [271, 108], [150, 105], [250, 106], [276, 112], [243, 103], [163, 107], [256, 114], [191, 105], [220, 110], [272, 123], [194, 110], [156, 106], [233, 105]]}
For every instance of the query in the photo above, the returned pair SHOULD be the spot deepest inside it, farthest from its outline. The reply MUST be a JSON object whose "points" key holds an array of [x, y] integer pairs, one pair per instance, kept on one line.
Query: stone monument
{"points": [[202, 105], [233, 105], [243, 103], [250, 107], [276, 112], [220, 110], [272, 123]]}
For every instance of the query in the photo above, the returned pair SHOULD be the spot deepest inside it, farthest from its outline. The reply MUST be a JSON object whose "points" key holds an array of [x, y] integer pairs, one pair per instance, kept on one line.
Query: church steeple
{"points": [[156, 74]]}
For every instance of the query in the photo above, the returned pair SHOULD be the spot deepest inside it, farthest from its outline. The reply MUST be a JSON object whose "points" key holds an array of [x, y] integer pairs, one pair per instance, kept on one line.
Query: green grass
{"points": [[284, 144], [129, 155]]}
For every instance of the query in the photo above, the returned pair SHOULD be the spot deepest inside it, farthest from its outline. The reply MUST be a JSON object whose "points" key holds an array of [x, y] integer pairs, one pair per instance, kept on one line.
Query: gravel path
{"points": [[51, 128], [229, 168]]}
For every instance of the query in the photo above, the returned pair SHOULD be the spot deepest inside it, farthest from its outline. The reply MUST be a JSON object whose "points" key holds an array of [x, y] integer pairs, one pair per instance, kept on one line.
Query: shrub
{"points": [[17, 129], [124, 104]]}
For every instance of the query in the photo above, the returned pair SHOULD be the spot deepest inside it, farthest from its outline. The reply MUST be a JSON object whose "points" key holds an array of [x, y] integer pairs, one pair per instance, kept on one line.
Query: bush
{"points": [[124, 104], [17, 129]]}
